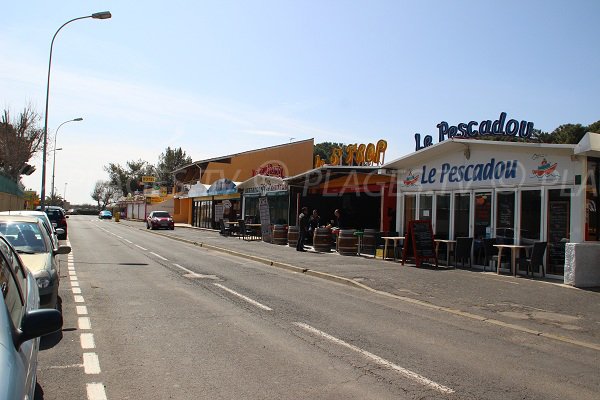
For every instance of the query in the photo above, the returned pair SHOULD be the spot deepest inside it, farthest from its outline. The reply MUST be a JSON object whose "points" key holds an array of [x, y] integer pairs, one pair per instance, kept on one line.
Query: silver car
{"points": [[30, 239], [21, 325], [53, 232]]}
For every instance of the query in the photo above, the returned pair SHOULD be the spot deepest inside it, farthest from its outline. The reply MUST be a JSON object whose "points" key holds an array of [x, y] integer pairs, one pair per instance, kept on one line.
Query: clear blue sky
{"points": [[225, 76]]}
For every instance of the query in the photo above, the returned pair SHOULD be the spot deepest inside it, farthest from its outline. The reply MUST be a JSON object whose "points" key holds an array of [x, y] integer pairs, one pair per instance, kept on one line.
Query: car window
{"points": [[161, 214], [11, 291], [25, 237]]}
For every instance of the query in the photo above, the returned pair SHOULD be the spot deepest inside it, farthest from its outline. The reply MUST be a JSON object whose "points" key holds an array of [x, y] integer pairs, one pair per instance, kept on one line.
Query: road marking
{"points": [[91, 364], [241, 296], [78, 299], [70, 268], [137, 245], [82, 310], [185, 269], [74, 284], [84, 323], [120, 237], [72, 273], [73, 277], [87, 341], [159, 256], [381, 361], [95, 391], [76, 290], [128, 241]]}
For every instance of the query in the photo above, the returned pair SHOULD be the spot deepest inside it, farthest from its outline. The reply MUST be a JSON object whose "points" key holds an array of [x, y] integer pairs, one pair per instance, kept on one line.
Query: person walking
{"points": [[302, 228]]}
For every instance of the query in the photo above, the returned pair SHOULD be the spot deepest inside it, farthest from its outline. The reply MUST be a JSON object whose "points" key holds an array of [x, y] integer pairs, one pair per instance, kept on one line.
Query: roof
{"points": [[19, 218], [258, 180], [317, 176], [589, 145]]}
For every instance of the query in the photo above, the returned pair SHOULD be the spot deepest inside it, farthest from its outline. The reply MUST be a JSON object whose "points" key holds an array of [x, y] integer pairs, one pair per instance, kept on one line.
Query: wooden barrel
{"points": [[369, 241], [322, 240], [347, 242], [280, 234], [292, 236]]}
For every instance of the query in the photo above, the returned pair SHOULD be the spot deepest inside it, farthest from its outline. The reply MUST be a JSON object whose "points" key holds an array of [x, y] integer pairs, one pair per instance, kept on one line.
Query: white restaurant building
{"points": [[513, 191]]}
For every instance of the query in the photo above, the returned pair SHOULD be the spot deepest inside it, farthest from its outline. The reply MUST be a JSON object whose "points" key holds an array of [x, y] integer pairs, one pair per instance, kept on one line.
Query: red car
{"points": [[160, 219]]}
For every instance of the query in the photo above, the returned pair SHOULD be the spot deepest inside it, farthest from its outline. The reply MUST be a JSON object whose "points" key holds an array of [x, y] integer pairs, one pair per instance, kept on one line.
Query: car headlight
{"points": [[43, 280]]}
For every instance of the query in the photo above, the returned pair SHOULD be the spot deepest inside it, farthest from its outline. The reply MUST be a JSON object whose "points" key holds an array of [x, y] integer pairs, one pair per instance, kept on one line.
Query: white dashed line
{"points": [[159, 256], [84, 323], [184, 269], [143, 248], [78, 299], [82, 310], [241, 296], [409, 374], [95, 391], [128, 241], [91, 364], [76, 290], [73, 277], [87, 341], [74, 284]]}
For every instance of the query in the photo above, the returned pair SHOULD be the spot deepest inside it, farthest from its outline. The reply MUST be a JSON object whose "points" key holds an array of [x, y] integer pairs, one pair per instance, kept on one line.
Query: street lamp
{"points": [[55, 149], [98, 15]]}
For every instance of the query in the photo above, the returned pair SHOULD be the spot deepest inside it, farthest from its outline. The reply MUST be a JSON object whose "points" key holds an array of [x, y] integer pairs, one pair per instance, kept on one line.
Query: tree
{"points": [[168, 162], [323, 150], [103, 193], [128, 179], [20, 139]]}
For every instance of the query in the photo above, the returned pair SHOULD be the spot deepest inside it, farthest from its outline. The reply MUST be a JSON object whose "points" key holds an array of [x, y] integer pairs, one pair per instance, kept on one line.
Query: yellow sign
{"points": [[147, 179], [361, 154]]}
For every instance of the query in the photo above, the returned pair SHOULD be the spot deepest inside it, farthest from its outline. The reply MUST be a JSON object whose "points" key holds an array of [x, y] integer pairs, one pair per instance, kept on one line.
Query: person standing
{"points": [[302, 228], [313, 223]]}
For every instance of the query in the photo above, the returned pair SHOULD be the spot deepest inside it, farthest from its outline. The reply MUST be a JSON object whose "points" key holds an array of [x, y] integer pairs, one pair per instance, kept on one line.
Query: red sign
{"points": [[271, 169]]}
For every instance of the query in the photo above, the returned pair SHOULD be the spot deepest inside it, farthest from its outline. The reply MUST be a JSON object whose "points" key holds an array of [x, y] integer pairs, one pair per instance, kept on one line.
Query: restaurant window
{"points": [[483, 215], [462, 206], [592, 217], [442, 216], [278, 208], [559, 227], [425, 206], [531, 216], [410, 208], [505, 217], [251, 208]]}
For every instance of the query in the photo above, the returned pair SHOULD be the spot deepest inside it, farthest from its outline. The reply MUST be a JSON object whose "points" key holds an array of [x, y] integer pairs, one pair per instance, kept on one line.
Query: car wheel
{"points": [[172, 228]]}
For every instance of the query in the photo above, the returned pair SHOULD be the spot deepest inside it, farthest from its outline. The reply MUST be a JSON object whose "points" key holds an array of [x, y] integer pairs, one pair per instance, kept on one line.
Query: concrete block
{"points": [[582, 264]]}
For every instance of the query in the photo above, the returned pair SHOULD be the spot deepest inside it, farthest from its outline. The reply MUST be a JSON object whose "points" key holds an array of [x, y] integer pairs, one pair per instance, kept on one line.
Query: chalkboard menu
{"points": [[419, 240], [558, 233], [265, 219]]}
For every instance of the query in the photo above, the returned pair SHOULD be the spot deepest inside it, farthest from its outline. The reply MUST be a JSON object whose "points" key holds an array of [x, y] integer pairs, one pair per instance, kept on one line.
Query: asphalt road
{"points": [[151, 318]]}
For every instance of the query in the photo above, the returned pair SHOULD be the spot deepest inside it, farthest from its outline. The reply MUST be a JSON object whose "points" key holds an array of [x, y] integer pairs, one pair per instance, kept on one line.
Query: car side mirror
{"points": [[62, 249], [66, 216], [38, 323]]}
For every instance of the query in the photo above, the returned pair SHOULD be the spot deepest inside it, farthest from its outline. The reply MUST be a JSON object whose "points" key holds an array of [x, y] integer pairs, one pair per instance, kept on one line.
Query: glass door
{"points": [[483, 224], [559, 227], [505, 217], [425, 207], [462, 214], [410, 208], [442, 216]]}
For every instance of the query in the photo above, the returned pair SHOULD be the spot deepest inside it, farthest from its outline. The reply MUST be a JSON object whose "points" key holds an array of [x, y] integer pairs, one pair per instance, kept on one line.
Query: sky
{"points": [[221, 77]]}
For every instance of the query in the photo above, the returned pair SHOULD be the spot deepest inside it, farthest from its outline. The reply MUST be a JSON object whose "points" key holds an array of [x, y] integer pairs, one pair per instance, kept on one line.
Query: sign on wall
{"points": [[356, 154]]}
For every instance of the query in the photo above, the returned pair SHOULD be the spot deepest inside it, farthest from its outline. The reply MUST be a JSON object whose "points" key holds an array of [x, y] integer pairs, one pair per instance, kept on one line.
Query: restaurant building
{"points": [[207, 190], [515, 192]]}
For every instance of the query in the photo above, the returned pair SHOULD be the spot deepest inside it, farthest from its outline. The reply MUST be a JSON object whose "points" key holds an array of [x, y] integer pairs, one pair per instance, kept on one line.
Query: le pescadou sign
{"points": [[473, 129]]}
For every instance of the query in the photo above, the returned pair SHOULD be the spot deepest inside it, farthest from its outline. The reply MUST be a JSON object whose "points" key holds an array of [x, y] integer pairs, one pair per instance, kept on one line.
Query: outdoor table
{"points": [[395, 239], [255, 228], [449, 243], [514, 248], [359, 235]]}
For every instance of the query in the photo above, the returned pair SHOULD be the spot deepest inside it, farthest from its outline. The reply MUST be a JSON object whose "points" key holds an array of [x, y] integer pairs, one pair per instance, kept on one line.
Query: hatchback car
{"points": [[29, 238], [53, 232], [105, 214], [160, 219], [58, 218], [21, 325]]}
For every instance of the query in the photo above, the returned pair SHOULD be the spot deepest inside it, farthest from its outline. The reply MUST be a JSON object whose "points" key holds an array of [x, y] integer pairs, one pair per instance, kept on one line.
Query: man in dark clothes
{"points": [[302, 228]]}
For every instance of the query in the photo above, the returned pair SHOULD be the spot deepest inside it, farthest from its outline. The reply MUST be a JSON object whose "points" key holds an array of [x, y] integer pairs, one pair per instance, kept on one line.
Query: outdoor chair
{"points": [[462, 251], [225, 229], [244, 232], [536, 260], [489, 252]]}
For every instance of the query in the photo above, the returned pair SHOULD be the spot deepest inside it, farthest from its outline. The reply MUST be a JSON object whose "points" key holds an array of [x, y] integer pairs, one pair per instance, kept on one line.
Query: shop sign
{"points": [[148, 179], [264, 188], [270, 169], [473, 129], [356, 154]]}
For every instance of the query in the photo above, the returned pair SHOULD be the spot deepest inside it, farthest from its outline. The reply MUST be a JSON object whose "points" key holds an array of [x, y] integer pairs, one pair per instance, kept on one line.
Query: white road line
{"points": [[184, 269], [410, 374], [128, 241], [87, 341], [84, 323], [138, 246], [74, 284], [95, 391], [91, 364], [76, 290], [81, 310], [71, 268], [72, 273], [241, 296], [78, 299], [159, 256], [120, 237], [73, 277]]}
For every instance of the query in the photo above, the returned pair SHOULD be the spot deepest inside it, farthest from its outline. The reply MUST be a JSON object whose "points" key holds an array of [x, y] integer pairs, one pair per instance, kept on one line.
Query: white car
{"points": [[53, 232]]}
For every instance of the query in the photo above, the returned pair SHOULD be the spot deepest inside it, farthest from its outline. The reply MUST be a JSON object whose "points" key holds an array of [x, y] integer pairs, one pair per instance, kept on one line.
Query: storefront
{"points": [[221, 201], [518, 193], [274, 189]]}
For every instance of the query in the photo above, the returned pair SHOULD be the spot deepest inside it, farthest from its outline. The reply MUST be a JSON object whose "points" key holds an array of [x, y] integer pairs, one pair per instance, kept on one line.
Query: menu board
{"points": [[419, 240], [558, 232], [265, 219]]}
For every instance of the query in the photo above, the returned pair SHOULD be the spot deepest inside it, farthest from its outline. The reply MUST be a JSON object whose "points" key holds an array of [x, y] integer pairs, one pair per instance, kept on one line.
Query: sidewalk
{"points": [[541, 307]]}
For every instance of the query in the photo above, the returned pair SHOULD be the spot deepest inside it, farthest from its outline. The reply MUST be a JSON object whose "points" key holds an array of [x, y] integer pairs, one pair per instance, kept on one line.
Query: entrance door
{"points": [[559, 223], [505, 217], [462, 214]]}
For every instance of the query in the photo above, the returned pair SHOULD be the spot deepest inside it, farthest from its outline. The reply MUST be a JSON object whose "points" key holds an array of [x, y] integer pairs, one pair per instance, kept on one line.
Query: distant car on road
{"points": [[30, 239], [160, 219], [105, 214], [71, 211], [21, 325], [58, 218]]}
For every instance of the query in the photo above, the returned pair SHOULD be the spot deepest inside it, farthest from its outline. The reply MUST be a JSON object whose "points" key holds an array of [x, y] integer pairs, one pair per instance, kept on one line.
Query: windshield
{"points": [[161, 214], [25, 237]]}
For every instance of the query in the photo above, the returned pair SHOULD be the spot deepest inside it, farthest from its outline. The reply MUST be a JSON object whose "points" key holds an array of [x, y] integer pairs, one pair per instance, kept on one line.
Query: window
{"points": [[462, 205], [13, 297], [410, 205], [442, 216], [425, 207], [531, 216], [592, 216], [559, 227], [505, 217], [483, 215]]}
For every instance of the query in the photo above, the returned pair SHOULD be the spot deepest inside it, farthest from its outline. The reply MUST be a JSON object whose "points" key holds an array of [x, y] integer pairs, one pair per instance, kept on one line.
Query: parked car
{"points": [[21, 325], [71, 211], [105, 214], [160, 219], [29, 238], [58, 218], [53, 232]]}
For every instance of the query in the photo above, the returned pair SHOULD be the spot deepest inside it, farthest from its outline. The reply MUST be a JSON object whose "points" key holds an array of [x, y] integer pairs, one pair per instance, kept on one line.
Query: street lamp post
{"points": [[55, 149], [98, 15]]}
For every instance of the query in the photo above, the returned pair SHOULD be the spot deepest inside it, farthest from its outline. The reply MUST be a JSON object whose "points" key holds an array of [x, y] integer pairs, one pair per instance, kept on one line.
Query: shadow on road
{"points": [[51, 340]]}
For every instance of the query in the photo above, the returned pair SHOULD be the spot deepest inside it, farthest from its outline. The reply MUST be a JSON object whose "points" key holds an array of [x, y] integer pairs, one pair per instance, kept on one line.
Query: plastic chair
{"points": [[462, 251], [537, 258]]}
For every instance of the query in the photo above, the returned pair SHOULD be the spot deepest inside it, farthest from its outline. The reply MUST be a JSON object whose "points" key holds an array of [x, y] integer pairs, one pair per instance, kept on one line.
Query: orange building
{"points": [[206, 190]]}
